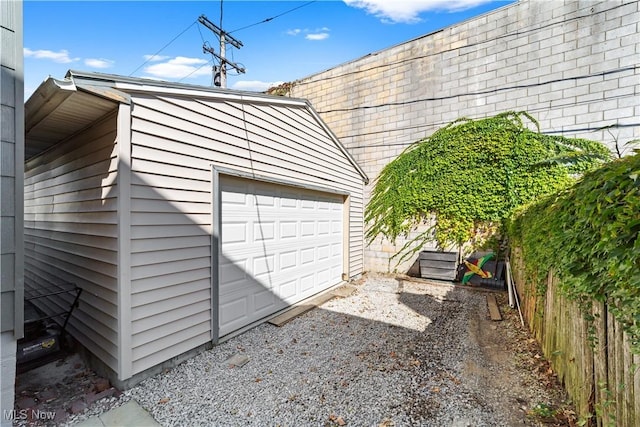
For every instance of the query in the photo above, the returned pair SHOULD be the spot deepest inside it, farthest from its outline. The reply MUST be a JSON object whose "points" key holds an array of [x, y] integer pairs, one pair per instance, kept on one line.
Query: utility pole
{"points": [[224, 39]]}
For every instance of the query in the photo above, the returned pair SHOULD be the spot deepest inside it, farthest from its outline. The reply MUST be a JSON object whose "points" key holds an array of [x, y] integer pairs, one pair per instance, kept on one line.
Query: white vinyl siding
{"points": [[174, 143], [170, 253], [71, 233], [282, 142], [124, 207]]}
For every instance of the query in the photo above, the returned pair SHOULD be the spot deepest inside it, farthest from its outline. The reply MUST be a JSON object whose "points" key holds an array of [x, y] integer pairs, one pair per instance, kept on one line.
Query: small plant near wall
{"points": [[471, 175], [284, 89], [589, 235]]}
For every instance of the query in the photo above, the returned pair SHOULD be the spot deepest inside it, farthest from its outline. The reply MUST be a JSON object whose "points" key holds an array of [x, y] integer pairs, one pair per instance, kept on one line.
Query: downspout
{"points": [[123, 138]]}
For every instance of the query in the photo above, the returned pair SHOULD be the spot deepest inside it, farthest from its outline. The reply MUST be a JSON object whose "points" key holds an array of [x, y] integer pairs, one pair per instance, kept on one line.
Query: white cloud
{"points": [[155, 58], [408, 11], [317, 36], [98, 62], [61, 57], [255, 85], [179, 67]]}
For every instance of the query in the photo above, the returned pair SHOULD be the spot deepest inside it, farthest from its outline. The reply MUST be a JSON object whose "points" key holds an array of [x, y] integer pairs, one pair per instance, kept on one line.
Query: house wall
{"points": [[174, 143], [11, 169], [71, 229], [574, 65]]}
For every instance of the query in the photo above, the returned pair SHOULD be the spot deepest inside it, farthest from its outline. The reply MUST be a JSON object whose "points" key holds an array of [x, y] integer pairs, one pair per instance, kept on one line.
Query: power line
{"points": [[481, 92], [163, 48], [433, 125], [206, 63], [264, 21], [549, 132], [413, 58]]}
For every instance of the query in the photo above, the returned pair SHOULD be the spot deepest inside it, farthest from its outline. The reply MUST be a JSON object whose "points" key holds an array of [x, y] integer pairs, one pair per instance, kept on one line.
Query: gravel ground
{"points": [[426, 355]]}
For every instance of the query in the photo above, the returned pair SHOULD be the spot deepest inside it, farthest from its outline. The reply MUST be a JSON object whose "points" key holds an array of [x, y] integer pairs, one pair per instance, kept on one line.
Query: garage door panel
{"points": [[307, 229], [308, 204], [289, 200], [234, 311], [336, 270], [324, 228], [232, 272], [324, 205], [234, 232], [264, 300], [336, 250], [263, 231], [287, 242], [235, 196], [307, 282], [288, 260], [323, 252], [287, 290], [263, 266], [288, 229], [265, 201]]}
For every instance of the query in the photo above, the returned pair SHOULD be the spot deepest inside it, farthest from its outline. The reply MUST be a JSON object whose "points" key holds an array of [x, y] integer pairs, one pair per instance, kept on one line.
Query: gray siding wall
{"points": [[11, 181], [574, 65], [11, 153], [174, 143], [71, 229]]}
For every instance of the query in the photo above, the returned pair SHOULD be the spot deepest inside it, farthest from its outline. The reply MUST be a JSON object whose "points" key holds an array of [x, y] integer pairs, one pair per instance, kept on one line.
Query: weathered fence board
{"points": [[593, 359], [600, 364], [636, 385]]}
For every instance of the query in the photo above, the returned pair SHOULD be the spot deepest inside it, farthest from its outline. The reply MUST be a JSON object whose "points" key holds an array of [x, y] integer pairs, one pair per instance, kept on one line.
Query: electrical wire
{"points": [[206, 63], [518, 32], [264, 21], [481, 92], [434, 125], [163, 48]]}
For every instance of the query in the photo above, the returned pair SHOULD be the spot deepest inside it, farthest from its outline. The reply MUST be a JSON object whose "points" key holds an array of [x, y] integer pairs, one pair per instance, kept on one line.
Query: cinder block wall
{"points": [[574, 65]]}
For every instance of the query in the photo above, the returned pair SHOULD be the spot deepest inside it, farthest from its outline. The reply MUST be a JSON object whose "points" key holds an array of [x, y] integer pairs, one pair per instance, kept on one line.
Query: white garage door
{"points": [[280, 245]]}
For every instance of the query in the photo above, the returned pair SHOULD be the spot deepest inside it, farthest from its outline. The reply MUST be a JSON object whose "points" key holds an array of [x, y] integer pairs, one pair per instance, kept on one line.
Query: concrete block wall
{"points": [[574, 65]]}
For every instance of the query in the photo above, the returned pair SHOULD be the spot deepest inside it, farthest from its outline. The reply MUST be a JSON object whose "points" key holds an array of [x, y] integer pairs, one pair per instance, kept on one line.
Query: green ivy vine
{"points": [[471, 175], [588, 234]]}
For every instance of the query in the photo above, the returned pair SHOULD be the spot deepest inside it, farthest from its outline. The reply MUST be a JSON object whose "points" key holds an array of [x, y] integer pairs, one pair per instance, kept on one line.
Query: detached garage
{"points": [[186, 214]]}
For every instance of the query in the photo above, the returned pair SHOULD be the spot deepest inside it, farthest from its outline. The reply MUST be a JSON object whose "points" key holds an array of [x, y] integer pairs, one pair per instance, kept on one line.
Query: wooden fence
{"points": [[592, 359]]}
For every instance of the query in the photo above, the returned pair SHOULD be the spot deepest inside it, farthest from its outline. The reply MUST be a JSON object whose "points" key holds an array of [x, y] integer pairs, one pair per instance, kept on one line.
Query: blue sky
{"points": [[303, 38]]}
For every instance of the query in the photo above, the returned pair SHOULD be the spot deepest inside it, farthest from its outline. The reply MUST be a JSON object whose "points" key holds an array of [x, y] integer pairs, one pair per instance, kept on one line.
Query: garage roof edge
{"points": [[339, 144], [135, 84]]}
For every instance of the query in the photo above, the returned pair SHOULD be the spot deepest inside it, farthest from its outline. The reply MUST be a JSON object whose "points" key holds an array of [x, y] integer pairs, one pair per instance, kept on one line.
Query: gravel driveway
{"points": [[426, 355]]}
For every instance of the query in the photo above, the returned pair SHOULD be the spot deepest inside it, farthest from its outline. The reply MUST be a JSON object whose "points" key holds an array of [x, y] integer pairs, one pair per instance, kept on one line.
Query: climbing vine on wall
{"points": [[284, 89], [471, 174], [589, 235]]}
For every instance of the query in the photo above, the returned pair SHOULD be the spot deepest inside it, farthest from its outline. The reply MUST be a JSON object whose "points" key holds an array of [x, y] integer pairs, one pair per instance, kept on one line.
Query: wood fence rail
{"points": [[592, 359]]}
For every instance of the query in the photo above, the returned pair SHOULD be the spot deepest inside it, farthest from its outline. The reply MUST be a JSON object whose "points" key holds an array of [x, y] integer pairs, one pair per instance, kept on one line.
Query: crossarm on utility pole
{"points": [[224, 39]]}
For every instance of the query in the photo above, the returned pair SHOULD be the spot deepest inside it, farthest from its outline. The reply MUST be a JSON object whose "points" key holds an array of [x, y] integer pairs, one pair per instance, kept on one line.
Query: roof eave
{"points": [[54, 101]]}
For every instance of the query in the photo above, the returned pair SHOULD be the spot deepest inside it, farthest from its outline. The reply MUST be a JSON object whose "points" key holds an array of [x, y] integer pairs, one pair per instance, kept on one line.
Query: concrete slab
{"points": [[91, 422], [129, 414]]}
